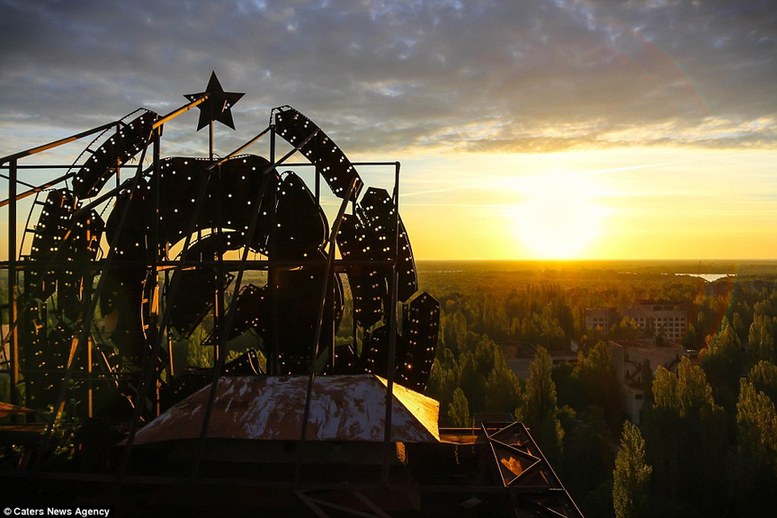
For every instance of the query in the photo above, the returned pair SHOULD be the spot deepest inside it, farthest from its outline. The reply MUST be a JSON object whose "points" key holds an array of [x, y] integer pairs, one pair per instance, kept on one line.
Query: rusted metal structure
{"points": [[323, 411]]}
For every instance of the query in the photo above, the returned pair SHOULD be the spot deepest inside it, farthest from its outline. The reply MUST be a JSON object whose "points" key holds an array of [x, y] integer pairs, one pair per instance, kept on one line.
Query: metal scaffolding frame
{"points": [[375, 259], [222, 319]]}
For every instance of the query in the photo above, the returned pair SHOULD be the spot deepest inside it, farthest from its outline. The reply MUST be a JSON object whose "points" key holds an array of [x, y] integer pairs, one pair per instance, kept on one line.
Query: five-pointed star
{"points": [[217, 106]]}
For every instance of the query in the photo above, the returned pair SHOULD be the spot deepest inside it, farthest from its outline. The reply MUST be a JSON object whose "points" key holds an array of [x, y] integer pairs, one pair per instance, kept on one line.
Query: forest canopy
{"points": [[705, 439]]}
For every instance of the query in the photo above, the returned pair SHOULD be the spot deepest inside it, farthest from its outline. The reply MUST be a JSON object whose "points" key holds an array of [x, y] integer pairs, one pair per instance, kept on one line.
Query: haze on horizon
{"points": [[547, 129]]}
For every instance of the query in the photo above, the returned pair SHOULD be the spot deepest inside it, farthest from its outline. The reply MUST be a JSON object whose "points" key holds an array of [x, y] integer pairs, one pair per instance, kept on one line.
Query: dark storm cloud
{"points": [[472, 75]]}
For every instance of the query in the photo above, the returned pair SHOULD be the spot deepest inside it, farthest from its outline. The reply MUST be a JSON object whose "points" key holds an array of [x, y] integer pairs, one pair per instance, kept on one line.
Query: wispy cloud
{"points": [[533, 76]]}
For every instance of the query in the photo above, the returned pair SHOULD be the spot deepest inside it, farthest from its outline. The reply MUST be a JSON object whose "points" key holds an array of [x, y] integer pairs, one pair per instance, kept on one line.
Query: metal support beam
{"points": [[392, 344], [12, 313], [57, 143], [175, 113]]}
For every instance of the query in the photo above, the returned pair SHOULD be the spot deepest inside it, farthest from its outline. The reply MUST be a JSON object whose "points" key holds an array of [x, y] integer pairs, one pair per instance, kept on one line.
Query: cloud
{"points": [[381, 76]]}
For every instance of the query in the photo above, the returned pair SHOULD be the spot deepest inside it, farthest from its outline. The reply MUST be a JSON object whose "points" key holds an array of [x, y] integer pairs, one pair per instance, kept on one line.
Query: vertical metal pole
{"points": [[392, 352], [89, 384], [118, 173], [153, 307], [157, 200], [218, 304], [210, 141], [86, 296], [329, 271], [318, 186], [354, 328], [273, 365], [170, 355], [331, 321], [12, 316], [218, 307]]}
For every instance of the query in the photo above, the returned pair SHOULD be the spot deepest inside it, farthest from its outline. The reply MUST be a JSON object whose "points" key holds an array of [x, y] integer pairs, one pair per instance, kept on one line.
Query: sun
{"points": [[559, 216]]}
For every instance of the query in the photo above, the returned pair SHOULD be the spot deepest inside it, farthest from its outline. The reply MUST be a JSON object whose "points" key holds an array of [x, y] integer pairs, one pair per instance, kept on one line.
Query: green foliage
{"points": [[761, 340], [763, 376], [626, 329], [444, 378], [539, 409], [694, 394], [567, 383], [538, 315], [588, 453], [756, 451], [598, 502], [631, 475], [685, 434], [196, 354], [757, 424], [689, 439], [709, 313], [502, 390], [458, 410], [475, 364], [723, 362], [453, 330], [664, 389], [539, 398], [550, 436], [598, 382]]}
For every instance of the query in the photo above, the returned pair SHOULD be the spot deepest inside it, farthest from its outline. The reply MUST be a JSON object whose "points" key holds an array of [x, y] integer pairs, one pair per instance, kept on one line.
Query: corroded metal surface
{"points": [[343, 408]]}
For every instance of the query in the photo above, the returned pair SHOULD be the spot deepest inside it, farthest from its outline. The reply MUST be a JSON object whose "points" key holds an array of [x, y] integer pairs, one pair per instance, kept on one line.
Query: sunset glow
{"points": [[525, 130], [627, 203], [559, 218]]}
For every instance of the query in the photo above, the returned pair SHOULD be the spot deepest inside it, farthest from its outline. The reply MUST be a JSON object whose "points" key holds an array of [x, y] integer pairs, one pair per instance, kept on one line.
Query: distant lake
{"points": [[709, 277]]}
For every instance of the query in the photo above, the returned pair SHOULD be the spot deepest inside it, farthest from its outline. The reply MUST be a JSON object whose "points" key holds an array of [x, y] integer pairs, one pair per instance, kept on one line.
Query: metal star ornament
{"points": [[217, 106]]}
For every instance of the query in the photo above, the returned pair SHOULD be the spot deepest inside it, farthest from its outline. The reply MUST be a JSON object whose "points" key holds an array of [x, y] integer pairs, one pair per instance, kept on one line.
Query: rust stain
{"points": [[343, 408]]}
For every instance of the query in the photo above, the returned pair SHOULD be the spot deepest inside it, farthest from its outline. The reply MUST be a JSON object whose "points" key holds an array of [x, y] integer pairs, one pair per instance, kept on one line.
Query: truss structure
{"points": [[146, 290]]}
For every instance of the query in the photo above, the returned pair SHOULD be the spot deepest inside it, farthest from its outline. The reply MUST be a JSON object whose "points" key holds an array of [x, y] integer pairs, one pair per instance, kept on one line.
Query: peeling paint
{"points": [[343, 408]]}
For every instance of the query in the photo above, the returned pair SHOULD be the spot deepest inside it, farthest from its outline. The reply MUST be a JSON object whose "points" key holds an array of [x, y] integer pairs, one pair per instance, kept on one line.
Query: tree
{"points": [[539, 409], [756, 451], [476, 363], [503, 390], [631, 475], [760, 340], [660, 422], [627, 329], [444, 378], [588, 452], [763, 376], [539, 397], [453, 331], [722, 361], [458, 410], [599, 383], [685, 436]]}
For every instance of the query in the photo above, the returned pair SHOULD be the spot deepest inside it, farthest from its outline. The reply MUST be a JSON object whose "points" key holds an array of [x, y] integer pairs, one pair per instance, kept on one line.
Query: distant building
{"points": [[630, 358], [521, 367], [600, 319], [660, 319]]}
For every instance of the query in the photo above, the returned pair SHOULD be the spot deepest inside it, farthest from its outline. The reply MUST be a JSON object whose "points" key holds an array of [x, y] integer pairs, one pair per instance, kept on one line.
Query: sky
{"points": [[526, 130]]}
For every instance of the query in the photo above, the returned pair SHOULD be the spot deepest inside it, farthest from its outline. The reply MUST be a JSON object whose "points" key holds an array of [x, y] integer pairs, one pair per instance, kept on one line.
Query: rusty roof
{"points": [[343, 408]]}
